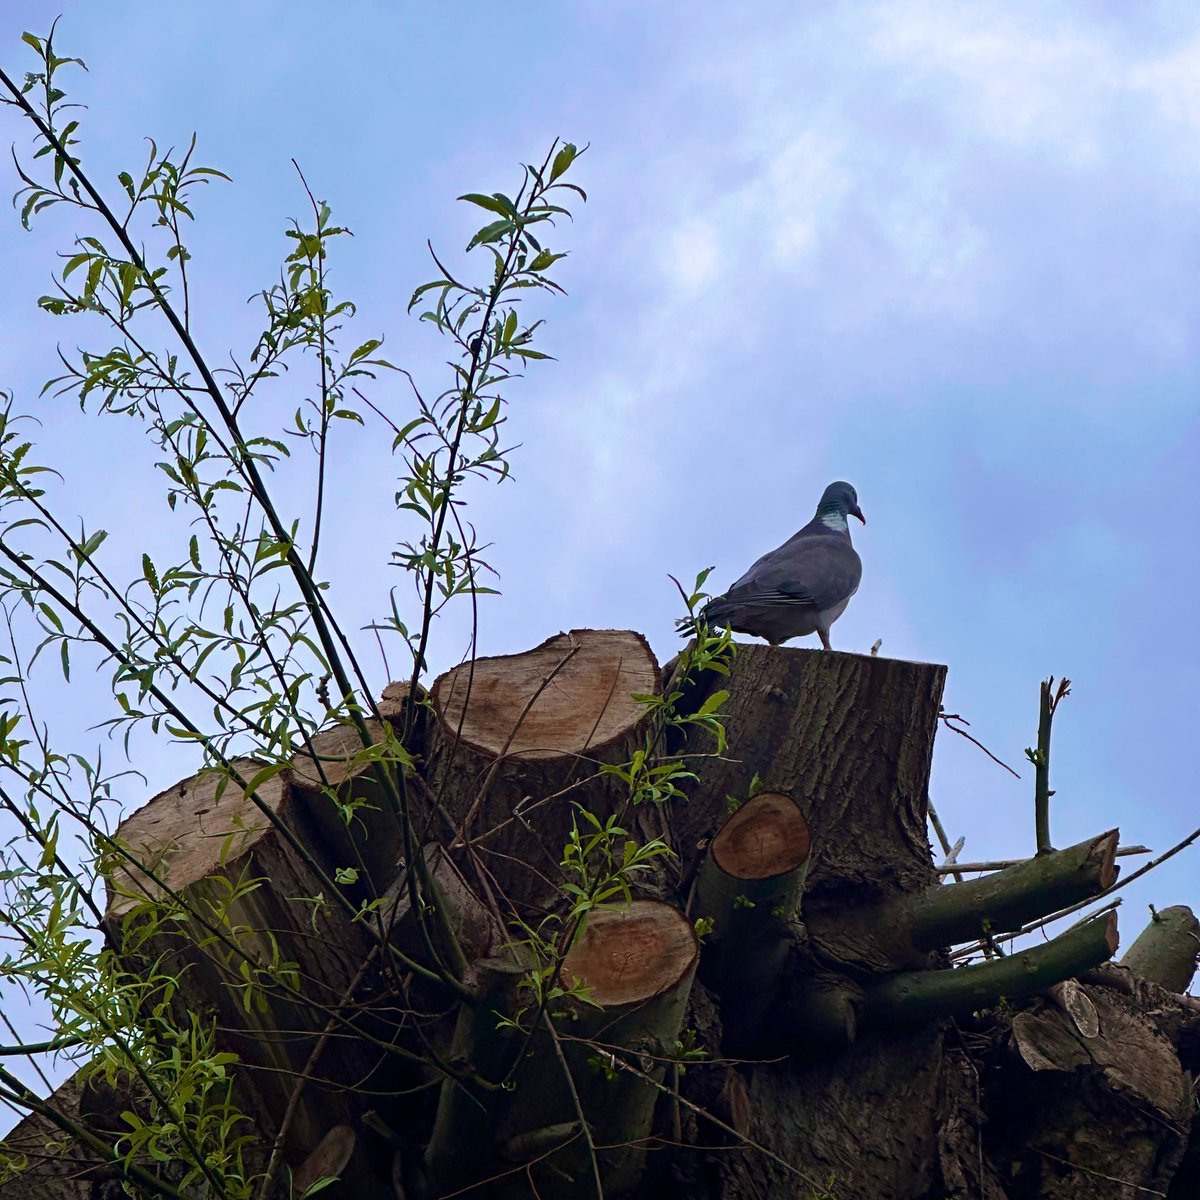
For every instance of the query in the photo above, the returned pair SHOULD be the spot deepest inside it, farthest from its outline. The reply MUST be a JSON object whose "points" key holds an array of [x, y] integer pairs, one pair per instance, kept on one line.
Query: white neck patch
{"points": [[835, 521]]}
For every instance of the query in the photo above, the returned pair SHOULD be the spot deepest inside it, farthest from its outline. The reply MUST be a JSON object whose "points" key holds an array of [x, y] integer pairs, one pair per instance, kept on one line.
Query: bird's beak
{"points": [[857, 512]]}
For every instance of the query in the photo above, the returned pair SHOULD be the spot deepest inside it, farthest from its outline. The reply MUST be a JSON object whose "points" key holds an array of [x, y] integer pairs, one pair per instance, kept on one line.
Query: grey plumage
{"points": [[804, 585]]}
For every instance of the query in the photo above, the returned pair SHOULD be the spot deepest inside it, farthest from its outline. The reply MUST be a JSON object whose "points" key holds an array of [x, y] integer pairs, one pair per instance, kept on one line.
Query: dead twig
{"points": [[950, 718]]}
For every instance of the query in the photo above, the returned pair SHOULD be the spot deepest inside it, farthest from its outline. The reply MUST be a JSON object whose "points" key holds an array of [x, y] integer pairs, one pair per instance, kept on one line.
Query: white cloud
{"points": [[1172, 80], [798, 193], [694, 257], [1016, 80]]}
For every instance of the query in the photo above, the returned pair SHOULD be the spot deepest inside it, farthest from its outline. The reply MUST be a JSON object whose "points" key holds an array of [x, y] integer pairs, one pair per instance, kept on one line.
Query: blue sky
{"points": [[946, 251]]}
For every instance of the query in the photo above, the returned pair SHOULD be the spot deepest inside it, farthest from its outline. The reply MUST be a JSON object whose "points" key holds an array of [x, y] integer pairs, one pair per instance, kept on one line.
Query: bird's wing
{"points": [[816, 571]]}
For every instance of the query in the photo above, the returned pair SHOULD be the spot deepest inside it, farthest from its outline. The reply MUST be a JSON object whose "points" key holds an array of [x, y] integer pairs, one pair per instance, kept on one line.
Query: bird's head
{"points": [[840, 498]]}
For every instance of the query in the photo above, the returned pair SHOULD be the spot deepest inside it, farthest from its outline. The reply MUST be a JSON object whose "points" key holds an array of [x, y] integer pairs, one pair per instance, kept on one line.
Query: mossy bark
{"points": [[1165, 951]]}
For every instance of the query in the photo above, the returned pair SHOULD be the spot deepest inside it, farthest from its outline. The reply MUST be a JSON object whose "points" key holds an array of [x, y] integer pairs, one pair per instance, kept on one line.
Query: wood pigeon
{"points": [[804, 586]]}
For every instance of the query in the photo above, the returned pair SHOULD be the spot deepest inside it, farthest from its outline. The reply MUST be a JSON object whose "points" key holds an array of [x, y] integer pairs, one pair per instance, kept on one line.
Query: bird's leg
{"points": [[824, 636]]}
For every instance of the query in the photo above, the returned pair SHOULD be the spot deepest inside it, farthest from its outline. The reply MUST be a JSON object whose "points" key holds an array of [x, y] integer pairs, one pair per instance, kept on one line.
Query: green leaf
{"points": [[713, 703], [74, 262], [149, 573], [562, 161], [543, 260], [50, 615], [366, 348], [491, 233], [497, 204], [93, 543], [263, 776]]}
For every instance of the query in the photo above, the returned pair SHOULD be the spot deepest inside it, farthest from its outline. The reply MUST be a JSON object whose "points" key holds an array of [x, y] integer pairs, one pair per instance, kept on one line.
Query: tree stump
{"points": [[637, 964], [749, 887], [246, 911], [1165, 951], [520, 739], [826, 955]]}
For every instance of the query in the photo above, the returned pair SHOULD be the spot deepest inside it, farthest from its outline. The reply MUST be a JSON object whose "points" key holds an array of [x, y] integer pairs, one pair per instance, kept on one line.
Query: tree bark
{"points": [[928, 995], [246, 909], [637, 964], [1078, 1118], [749, 886], [960, 912], [519, 740], [343, 786], [1165, 951], [850, 737]]}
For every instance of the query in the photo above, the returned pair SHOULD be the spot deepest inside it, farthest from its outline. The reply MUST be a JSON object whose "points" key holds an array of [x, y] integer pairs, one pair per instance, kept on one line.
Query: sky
{"points": [[946, 251]]}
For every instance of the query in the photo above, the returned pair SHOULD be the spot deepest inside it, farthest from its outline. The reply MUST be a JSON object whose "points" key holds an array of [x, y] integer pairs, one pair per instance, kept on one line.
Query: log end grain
{"points": [[766, 837], [569, 695], [628, 955], [189, 832]]}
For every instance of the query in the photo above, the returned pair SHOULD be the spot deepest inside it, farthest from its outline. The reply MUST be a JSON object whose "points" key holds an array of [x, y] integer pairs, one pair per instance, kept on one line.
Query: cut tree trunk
{"points": [[868, 1091], [850, 737], [636, 964], [345, 790], [247, 910], [596, 1056], [519, 740], [1086, 1118]]}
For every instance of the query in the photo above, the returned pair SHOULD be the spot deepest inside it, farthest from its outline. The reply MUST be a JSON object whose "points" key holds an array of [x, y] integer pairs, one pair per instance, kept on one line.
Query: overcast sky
{"points": [[945, 251]]}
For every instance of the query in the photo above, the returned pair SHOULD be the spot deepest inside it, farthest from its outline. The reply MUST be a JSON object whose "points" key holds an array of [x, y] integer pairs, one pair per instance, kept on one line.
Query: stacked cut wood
{"points": [[392, 897]]}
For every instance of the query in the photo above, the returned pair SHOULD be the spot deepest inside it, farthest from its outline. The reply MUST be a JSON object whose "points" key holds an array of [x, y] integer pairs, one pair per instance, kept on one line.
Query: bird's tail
{"points": [[713, 614], [687, 627]]}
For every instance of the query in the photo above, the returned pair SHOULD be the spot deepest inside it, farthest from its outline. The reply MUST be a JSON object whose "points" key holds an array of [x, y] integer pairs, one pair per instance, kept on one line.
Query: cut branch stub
{"points": [[957, 912], [765, 843], [637, 963], [519, 737], [486, 1038], [628, 956], [244, 913], [928, 995], [749, 885], [1165, 951], [475, 931], [338, 765]]}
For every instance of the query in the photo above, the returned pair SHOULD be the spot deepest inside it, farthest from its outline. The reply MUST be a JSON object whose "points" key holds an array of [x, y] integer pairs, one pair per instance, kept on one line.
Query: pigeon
{"points": [[804, 586]]}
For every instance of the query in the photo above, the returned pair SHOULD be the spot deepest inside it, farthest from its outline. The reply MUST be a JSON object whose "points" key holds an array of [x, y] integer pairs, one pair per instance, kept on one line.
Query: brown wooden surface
{"points": [[185, 833], [571, 693], [372, 842], [203, 851], [767, 836], [850, 737], [518, 739], [629, 955]]}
